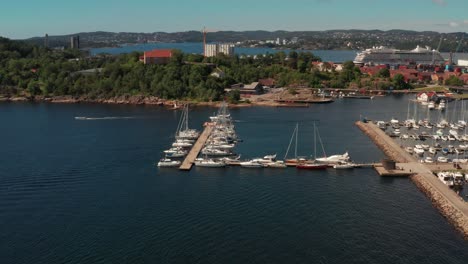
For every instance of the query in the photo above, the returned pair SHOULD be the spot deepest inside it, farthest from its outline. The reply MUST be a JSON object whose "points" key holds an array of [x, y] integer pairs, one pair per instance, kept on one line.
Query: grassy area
{"points": [[460, 96], [438, 89]]}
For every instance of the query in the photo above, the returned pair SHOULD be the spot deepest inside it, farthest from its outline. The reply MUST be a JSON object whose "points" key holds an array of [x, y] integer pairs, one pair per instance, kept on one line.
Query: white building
{"points": [[211, 50], [462, 63]]}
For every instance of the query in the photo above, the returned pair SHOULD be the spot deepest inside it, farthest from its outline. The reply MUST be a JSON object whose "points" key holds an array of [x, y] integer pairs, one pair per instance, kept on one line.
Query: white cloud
{"points": [[465, 22], [454, 24]]}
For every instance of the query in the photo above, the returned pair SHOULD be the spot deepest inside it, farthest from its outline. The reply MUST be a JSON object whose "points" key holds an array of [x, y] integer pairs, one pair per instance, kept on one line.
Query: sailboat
{"points": [[314, 165], [334, 159], [296, 159], [183, 131]]}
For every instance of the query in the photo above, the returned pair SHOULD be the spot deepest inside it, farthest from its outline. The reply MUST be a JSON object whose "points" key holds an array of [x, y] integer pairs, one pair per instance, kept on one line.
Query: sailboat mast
{"points": [[315, 143], [295, 148]]}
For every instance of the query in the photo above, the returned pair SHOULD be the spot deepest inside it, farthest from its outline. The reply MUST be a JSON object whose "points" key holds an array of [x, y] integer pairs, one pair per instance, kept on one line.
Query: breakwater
{"points": [[449, 204]]}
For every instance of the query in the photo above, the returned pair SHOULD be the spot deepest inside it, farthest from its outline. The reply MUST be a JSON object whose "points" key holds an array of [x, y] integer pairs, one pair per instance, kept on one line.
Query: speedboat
{"points": [[343, 166], [166, 163], [210, 163], [442, 159], [251, 164], [279, 164], [428, 160]]}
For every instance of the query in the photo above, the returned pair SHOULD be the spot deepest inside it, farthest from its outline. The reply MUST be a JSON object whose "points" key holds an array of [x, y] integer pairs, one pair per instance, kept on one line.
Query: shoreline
{"points": [[142, 100]]}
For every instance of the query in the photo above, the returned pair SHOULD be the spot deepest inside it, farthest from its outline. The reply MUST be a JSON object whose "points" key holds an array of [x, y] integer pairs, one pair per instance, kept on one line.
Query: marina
{"points": [[454, 208], [99, 184]]}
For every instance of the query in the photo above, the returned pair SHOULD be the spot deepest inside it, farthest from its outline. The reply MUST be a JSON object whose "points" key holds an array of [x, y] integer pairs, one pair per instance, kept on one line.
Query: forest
{"points": [[30, 70]]}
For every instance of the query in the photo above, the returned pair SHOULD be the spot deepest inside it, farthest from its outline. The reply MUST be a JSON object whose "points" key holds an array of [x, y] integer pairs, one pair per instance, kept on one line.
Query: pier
{"points": [[450, 205], [193, 154]]}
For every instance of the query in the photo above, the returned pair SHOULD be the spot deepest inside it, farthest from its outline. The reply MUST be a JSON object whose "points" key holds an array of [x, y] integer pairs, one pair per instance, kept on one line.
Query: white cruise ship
{"points": [[384, 55]]}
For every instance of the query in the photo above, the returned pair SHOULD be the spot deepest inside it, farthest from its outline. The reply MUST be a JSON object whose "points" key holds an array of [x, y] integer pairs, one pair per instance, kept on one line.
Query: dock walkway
{"points": [[193, 154], [447, 201]]}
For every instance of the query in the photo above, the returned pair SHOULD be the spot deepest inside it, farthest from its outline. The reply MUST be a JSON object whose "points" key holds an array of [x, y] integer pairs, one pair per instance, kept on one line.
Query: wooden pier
{"points": [[193, 154]]}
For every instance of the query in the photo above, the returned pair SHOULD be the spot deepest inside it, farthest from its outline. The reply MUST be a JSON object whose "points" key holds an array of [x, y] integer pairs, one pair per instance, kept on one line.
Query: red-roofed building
{"points": [[157, 56], [464, 78]]}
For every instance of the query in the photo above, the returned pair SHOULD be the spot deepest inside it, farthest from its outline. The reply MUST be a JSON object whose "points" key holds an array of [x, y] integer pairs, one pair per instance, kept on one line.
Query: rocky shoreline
{"points": [[127, 100], [452, 214]]}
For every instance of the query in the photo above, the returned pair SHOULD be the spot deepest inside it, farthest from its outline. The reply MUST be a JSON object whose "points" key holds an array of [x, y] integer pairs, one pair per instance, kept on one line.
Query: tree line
{"points": [[26, 69]]}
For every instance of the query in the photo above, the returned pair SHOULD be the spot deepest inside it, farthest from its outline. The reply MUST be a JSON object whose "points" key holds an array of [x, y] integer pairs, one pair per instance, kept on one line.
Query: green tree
{"points": [[454, 81]]}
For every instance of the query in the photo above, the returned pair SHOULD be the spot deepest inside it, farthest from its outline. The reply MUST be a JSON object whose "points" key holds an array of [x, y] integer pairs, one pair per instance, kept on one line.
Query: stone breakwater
{"points": [[387, 150], [449, 204], [450, 212]]}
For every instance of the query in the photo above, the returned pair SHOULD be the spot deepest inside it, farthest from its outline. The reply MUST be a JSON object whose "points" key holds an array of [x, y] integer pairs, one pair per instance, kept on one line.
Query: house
{"points": [[425, 96], [269, 82], [218, 73], [438, 77], [464, 78], [253, 88], [425, 77], [157, 56]]}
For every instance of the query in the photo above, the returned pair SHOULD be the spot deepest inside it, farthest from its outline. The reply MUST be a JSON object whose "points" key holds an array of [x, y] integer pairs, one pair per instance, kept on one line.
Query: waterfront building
{"points": [[75, 42], [211, 50], [157, 56]]}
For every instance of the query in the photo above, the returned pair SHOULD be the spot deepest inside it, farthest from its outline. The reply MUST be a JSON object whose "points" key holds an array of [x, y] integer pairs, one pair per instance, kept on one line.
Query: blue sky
{"points": [[28, 18]]}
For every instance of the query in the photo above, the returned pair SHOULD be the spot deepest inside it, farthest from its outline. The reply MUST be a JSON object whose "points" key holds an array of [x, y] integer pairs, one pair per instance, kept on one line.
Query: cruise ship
{"points": [[384, 55]]}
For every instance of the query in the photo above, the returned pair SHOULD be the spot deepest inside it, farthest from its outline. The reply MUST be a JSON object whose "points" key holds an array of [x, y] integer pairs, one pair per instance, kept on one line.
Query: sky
{"points": [[21, 19]]}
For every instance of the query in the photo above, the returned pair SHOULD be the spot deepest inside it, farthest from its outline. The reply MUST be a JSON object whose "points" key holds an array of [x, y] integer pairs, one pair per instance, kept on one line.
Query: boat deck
{"points": [[193, 154]]}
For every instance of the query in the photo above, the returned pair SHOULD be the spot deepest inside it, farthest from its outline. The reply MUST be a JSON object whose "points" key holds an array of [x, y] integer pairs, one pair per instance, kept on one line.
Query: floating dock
{"points": [[452, 206], [193, 154]]}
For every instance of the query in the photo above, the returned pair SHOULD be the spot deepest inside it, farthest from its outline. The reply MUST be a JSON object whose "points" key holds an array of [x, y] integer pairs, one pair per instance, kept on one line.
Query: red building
{"points": [[157, 56]]}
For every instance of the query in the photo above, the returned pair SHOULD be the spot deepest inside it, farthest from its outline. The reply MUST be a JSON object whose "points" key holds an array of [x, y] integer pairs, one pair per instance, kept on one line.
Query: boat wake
{"points": [[106, 117]]}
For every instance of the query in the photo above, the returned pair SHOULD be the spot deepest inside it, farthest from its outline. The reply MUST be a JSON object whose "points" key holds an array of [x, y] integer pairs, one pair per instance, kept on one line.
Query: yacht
{"points": [[446, 178], [210, 163], [343, 166], [334, 159], [279, 164], [251, 164], [166, 163]]}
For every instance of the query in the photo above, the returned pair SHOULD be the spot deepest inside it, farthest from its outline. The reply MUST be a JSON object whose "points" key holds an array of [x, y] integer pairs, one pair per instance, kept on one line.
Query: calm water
{"points": [[193, 47], [88, 192]]}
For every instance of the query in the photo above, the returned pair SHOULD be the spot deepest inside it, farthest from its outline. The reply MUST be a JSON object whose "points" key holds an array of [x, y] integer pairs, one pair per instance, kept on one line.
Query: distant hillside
{"points": [[329, 39]]}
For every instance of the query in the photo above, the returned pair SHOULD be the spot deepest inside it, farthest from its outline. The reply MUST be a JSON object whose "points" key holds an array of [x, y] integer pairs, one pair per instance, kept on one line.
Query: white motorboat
{"points": [[279, 164], [251, 164], [431, 105], [428, 160], [442, 159], [343, 166], [418, 151], [166, 163], [446, 178], [210, 163], [334, 159], [432, 150], [394, 121], [215, 152]]}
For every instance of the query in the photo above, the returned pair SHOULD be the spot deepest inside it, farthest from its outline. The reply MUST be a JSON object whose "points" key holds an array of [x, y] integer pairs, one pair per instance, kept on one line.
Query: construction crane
{"points": [[205, 31], [459, 45]]}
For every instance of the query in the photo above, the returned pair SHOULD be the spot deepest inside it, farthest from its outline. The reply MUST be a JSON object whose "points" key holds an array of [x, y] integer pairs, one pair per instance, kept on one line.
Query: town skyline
{"points": [[55, 18]]}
